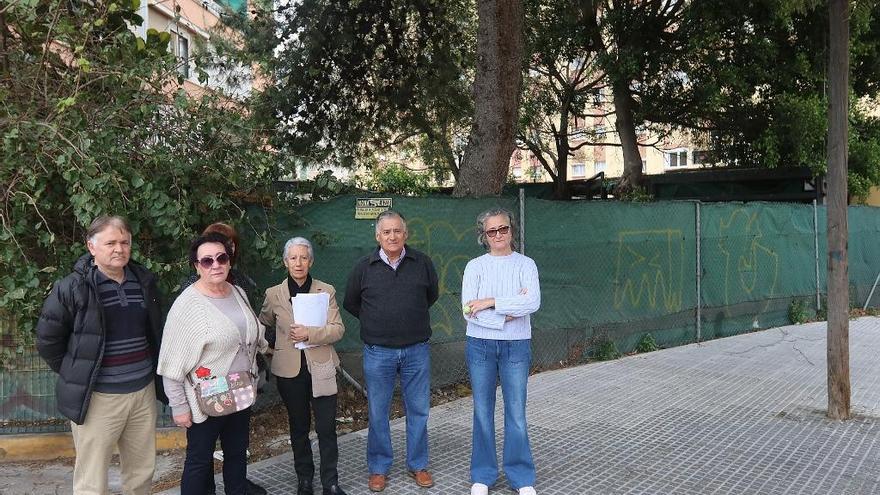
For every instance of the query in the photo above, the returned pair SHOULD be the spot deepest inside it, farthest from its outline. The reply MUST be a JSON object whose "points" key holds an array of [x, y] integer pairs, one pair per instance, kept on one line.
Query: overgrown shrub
{"points": [[647, 344], [95, 121]]}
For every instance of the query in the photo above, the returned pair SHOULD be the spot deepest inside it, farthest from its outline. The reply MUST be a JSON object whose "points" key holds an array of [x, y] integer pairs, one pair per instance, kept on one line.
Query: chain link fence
{"points": [[615, 277]]}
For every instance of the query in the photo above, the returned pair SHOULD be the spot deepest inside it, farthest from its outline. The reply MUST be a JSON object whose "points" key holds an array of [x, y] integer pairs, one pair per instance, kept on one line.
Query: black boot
{"points": [[333, 490], [254, 489], [305, 487]]}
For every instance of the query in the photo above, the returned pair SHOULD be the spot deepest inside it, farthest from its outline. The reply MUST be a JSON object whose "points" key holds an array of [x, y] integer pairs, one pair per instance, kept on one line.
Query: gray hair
{"points": [[389, 214], [298, 241], [103, 222], [494, 212]]}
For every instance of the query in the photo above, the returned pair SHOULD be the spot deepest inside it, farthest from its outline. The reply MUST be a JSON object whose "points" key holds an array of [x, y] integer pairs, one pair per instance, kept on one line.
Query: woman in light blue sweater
{"points": [[499, 291]]}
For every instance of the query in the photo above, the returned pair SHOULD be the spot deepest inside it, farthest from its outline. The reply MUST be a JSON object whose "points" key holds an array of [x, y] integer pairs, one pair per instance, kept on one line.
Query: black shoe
{"points": [[333, 490], [254, 489], [305, 487]]}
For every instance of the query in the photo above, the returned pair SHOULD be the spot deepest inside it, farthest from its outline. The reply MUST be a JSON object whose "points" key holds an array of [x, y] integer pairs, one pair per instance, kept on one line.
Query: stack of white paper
{"points": [[310, 310]]}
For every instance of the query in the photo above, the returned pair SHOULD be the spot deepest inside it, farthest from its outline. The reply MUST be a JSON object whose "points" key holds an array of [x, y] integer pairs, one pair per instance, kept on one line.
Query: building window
{"points": [[599, 167], [701, 156], [182, 56], [644, 166], [578, 170], [676, 158], [517, 172]]}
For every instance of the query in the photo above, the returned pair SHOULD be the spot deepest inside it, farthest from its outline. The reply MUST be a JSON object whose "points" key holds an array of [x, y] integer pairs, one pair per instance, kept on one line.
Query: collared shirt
{"points": [[127, 363], [388, 261]]}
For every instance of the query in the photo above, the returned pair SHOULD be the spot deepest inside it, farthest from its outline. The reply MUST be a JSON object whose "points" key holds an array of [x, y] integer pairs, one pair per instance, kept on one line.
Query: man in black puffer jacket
{"points": [[100, 329]]}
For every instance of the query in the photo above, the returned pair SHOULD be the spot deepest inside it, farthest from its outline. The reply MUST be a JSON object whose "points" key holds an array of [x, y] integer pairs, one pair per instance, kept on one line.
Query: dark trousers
{"points": [[297, 395], [198, 469]]}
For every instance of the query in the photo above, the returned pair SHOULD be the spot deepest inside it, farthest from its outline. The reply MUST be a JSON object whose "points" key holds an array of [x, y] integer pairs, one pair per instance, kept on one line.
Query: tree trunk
{"points": [[496, 99], [626, 131], [560, 182], [563, 147], [3, 30], [838, 279]]}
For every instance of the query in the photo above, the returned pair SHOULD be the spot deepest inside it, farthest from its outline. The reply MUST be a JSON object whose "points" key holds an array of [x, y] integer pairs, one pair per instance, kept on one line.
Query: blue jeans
{"points": [[381, 367], [511, 359]]}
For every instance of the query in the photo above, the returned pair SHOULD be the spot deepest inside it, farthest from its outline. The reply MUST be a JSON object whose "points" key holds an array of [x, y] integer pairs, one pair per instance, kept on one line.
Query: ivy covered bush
{"points": [[94, 120]]}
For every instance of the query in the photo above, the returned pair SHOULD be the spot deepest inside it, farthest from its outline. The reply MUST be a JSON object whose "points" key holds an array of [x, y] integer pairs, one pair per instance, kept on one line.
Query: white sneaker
{"points": [[527, 490], [479, 489]]}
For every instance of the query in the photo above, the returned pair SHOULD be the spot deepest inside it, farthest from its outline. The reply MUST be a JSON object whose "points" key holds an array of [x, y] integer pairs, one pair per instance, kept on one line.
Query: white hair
{"points": [[298, 241]]}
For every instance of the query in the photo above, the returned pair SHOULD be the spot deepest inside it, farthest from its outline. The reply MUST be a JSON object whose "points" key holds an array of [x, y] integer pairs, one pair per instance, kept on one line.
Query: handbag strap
{"points": [[256, 321]]}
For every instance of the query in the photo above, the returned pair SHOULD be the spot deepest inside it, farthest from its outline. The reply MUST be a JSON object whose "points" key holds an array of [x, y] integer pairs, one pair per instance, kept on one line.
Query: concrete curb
{"points": [[48, 446]]}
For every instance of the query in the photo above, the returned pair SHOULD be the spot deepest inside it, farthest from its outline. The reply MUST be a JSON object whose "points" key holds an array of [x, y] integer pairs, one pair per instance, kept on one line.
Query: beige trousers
{"points": [[123, 421]]}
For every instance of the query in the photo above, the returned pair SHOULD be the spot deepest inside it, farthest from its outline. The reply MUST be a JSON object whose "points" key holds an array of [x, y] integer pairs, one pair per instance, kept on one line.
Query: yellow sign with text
{"points": [[369, 208]]}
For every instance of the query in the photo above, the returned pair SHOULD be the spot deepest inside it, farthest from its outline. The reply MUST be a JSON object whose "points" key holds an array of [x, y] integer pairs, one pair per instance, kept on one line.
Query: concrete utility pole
{"points": [[838, 278]]}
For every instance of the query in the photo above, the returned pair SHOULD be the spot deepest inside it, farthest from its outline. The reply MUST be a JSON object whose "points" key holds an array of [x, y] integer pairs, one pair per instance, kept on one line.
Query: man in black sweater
{"points": [[390, 291]]}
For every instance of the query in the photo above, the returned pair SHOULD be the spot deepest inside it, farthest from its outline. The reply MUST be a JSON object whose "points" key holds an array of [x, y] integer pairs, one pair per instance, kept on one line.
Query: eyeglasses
{"points": [[500, 230], [222, 259]]}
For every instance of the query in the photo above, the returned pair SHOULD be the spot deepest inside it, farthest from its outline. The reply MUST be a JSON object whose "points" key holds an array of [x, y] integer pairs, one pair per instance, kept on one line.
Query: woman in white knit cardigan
{"points": [[211, 331]]}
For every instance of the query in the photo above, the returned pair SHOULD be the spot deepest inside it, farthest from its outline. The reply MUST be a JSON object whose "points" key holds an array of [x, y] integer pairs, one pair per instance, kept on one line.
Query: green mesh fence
{"points": [[611, 273]]}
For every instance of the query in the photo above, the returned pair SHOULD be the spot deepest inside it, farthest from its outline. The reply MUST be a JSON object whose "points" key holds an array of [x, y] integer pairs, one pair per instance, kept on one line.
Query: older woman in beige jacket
{"points": [[306, 377]]}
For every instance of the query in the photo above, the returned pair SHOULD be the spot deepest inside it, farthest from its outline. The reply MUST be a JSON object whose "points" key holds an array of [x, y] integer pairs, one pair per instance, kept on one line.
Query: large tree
{"points": [[639, 45], [765, 70], [562, 90], [352, 79], [496, 92]]}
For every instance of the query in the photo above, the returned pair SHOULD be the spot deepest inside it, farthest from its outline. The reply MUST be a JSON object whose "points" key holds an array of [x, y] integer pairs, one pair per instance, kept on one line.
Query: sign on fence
{"points": [[369, 208]]}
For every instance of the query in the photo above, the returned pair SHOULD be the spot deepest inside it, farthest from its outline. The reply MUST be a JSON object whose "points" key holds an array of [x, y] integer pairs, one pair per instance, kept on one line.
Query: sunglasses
{"points": [[500, 230], [222, 259]]}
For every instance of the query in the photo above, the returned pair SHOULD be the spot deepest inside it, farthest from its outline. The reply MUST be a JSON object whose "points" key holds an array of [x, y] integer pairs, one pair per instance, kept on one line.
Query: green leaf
{"points": [[64, 103], [83, 64], [17, 294]]}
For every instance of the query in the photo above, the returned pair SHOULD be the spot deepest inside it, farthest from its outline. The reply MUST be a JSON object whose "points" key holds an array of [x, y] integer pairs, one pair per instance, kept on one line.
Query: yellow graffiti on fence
{"points": [[750, 268], [647, 275], [450, 268]]}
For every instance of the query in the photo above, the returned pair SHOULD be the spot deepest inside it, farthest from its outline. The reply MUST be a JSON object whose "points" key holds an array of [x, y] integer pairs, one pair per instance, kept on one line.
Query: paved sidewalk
{"points": [[742, 415]]}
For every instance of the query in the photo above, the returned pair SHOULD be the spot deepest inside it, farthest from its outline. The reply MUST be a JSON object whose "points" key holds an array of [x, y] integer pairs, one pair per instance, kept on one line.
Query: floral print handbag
{"points": [[222, 395]]}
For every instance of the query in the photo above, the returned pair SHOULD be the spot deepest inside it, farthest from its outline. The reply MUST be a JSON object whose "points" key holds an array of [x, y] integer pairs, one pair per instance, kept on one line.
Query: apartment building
{"points": [[659, 154], [192, 24]]}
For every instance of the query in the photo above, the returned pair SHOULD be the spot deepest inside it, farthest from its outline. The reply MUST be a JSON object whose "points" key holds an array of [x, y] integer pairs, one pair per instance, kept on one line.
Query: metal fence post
{"points": [[522, 221], [871, 294], [698, 231], [816, 251]]}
